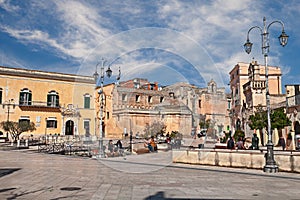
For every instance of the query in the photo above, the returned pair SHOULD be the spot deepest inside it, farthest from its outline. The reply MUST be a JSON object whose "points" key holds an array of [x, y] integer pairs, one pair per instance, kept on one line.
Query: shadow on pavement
{"points": [[161, 196], [7, 171]]}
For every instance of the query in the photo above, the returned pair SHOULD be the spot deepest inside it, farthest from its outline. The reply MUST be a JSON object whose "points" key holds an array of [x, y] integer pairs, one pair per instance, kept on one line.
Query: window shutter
{"points": [[48, 100], [86, 102], [57, 101], [21, 98], [29, 99]]}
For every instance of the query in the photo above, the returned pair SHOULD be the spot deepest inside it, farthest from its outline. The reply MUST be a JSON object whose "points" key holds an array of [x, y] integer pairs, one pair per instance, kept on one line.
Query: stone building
{"points": [[132, 104], [57, 103], [248, 90], [208, 103], [292, 110], [69, 104]]}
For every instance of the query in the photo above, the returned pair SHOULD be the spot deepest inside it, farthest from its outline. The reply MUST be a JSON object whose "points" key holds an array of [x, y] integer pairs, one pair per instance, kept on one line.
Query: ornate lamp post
{"points": [[7, 104], [108, 73], [283, 38]]}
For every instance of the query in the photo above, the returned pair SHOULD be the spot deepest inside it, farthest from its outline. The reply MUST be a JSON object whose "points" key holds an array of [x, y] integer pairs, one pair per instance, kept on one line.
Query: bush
{"points": [[176, 135], [238, 134]]}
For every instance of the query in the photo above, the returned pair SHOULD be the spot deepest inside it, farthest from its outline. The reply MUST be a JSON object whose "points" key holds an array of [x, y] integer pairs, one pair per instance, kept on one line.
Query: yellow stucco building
{"points": [[57, 103]]}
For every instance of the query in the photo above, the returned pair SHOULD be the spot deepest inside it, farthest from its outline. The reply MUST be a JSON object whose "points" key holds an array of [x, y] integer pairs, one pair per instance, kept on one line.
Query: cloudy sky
{"points": [[164, 41]]}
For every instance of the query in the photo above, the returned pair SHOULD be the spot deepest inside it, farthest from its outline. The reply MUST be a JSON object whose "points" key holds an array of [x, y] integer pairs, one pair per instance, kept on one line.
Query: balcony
{"points": [[259, 85], [255, 85], [39, 106]]}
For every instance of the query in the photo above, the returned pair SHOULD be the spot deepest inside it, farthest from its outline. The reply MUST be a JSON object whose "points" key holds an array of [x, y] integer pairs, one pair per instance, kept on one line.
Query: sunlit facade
{"points": [[57, 103]]}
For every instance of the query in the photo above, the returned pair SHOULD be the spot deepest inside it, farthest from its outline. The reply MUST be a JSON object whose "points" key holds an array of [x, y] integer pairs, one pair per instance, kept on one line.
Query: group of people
{"points": [[114, 149], [151, 144], [240, 144]]}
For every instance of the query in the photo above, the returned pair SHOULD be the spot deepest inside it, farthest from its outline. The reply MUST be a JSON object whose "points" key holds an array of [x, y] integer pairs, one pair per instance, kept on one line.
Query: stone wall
{"points": [[286, 161]]}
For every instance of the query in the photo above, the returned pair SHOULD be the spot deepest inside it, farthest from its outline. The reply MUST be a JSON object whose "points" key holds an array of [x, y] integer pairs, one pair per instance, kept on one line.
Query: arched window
{"points": [[53, 99], [25, 97]]}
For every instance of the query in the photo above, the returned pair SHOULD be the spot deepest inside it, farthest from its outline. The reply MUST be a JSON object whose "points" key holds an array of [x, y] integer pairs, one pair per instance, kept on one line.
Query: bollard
{"points": [[18, 143], [26, 143]]}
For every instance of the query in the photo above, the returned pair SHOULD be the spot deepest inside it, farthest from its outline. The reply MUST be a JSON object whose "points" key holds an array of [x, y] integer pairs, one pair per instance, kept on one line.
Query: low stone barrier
{"points": [[286, 160]]}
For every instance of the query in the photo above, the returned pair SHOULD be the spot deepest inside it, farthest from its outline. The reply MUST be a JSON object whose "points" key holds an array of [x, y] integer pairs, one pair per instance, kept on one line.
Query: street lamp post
{"points": [[101, 96], [283, 38], [7, 104]]}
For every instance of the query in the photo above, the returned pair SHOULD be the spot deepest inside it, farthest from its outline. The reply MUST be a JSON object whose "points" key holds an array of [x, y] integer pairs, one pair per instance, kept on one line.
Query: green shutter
{"points": [[48, 100], [57, 101], [29, 99], [86, 102], [21, 98]]}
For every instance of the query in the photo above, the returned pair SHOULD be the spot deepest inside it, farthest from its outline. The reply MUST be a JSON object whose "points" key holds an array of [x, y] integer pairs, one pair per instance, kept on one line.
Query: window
{"points": [[51, 122], [25, 97], [152, 86], [24, 119], [53, 99], [161, 99], [0, 95], [124, 97], [86, 126], [149, 99], [137, 98], [87, 101], [107, 115], [136, 85], [199, 102]]}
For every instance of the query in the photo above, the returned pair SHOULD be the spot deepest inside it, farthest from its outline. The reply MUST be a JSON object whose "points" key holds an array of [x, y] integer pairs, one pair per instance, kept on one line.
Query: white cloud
{"points": [[208, 33], [6, 5]]}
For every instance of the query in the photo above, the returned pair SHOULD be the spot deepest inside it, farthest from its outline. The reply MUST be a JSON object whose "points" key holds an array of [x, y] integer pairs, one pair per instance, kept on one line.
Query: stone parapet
{"points": [[255, 159]]}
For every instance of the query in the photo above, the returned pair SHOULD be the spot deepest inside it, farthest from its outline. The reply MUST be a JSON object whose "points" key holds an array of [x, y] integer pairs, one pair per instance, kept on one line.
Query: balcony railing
{"points": [[259, 84], [38, 105]]}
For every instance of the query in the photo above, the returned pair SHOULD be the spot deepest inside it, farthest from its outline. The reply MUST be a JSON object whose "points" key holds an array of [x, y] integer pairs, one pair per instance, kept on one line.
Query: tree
{"points": [[15, 129], [259, 121], [205, 124], [156, 128], [279, 120]]}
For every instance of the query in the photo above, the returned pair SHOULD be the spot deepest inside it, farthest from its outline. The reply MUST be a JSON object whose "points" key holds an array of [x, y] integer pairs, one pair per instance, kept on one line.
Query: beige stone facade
{"points": [[132, 104], [292, 109], [248, 90], [57, 103]]}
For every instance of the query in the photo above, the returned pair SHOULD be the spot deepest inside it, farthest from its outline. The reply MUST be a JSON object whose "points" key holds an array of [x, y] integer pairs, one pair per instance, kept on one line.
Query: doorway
{"points": [[69, 128]]}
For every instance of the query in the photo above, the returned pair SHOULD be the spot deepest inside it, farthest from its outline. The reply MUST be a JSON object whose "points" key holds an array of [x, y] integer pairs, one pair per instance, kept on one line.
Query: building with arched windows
{"points": [[133, 104], [57, 103], [248, 92], [69, 104]]}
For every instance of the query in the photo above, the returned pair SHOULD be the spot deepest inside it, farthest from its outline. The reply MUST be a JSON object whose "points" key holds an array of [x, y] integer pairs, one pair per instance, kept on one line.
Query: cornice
{"points": [[45, 75]]}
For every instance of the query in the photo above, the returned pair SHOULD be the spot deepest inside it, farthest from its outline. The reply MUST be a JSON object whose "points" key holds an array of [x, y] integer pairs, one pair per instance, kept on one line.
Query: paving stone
{"points": [[30, 175]]}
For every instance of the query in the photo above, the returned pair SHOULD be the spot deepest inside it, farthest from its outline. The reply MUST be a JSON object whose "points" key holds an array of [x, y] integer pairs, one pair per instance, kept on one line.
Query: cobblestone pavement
{"points": [[31, 175]]}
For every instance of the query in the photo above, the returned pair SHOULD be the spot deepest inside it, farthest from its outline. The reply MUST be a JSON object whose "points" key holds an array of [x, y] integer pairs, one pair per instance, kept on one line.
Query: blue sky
{"points": [[164, 41]]}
